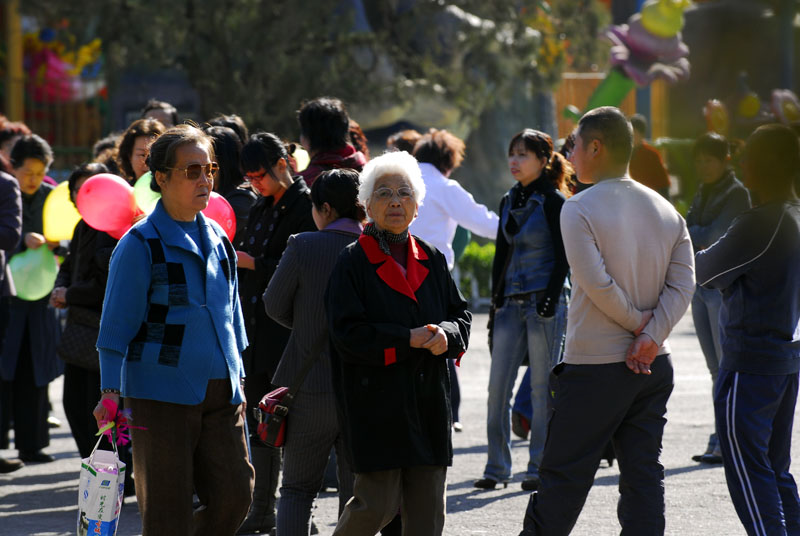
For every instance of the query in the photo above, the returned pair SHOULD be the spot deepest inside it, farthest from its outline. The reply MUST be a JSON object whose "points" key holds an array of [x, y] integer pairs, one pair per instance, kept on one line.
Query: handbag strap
{"points": [[311, 358]]}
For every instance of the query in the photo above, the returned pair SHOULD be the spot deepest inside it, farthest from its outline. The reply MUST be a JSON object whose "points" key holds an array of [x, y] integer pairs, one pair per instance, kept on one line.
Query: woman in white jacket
{"points": [[447, 205]]}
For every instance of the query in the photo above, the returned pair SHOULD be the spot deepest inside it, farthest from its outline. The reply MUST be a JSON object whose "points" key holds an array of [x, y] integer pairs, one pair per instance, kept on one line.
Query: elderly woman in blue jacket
{"points": [[170, 342]]}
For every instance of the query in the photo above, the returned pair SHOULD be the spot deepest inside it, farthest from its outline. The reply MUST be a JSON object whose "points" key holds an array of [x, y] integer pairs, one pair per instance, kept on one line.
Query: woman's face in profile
{"points": [[141, 148], [392, 205]]}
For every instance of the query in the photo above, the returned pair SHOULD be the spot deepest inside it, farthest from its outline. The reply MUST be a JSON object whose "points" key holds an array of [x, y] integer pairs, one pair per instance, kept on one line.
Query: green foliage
{"points": [[261, 58], [476, 263]]}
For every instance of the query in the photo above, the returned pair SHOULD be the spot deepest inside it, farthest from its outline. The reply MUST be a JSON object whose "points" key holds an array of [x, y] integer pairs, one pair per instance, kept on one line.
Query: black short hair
{"points": [[324, 123], [262, 152], [103, 144], [233, 122], [88, 169], [639, 123], [227, 149], [339, 188], [610, 126], [31, 146], [774, 150], [712, 144], [169, 109]]}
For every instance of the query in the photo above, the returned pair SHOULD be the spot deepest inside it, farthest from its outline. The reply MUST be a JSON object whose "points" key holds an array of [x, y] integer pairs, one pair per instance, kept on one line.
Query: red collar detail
{"points": [[390, 272]]}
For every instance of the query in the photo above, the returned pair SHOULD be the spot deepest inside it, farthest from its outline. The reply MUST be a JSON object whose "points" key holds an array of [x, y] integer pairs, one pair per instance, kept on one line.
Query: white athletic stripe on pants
{"points": [[738, 460]]}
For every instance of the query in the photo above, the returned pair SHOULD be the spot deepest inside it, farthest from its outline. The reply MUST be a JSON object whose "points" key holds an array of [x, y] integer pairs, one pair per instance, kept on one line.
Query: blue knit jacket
{"points": [[167, 309]]}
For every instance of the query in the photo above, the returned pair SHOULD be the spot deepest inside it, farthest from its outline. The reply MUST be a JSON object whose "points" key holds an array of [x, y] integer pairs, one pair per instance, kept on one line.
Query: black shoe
{"points": [[488, 483], [9, 466], [531, 484], [698, 457], [36, 457], [713, 458]]}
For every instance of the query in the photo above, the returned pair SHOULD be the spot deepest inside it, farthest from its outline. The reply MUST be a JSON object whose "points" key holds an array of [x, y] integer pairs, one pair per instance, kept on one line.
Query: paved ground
{"points": [[41, 499]]}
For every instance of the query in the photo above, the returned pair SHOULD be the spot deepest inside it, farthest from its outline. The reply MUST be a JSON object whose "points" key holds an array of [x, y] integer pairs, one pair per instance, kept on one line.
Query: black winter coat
{"points": [[38, 317], [393, 400], [269, 227], [84, 271]]}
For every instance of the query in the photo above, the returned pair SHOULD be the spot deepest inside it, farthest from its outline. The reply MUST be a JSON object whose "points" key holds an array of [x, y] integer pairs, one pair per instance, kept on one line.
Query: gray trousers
{"points": [[595, 404], [417, 491], [312, 428]]}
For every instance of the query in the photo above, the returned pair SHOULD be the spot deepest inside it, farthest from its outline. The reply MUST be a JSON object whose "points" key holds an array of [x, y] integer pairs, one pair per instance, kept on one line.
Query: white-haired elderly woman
{"points": [[395, 317]]}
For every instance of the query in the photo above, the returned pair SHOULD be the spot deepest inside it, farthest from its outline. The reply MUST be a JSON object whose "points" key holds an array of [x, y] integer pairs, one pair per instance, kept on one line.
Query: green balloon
{"points": [[611, 91], [34, 273], [145, 197]]}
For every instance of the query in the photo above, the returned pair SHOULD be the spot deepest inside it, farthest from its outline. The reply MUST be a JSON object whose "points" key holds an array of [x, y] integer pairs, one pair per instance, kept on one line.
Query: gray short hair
{"points": [[392, 163]]}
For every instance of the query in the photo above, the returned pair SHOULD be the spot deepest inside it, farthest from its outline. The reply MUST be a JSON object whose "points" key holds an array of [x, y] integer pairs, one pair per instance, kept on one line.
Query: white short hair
{"points": [[391, 163]]}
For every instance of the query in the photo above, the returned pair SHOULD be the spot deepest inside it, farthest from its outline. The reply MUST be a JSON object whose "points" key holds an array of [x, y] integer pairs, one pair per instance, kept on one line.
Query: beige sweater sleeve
{"points": [[678, 289], [589, 270]]}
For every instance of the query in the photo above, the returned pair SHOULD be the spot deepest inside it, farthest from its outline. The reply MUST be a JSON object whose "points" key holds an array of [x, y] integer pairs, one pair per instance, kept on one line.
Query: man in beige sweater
{"points": [[633, 278]]}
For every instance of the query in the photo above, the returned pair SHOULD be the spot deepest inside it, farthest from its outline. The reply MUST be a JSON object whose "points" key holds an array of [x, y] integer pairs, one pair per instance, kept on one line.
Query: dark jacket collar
{"points": [[295, 191], [723, 183], [390, 272]]}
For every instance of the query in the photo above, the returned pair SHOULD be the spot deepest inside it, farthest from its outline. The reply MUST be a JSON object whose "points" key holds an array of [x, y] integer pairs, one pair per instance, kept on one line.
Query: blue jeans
{"points": [[522, 402], [519, 331], [706, 304]]}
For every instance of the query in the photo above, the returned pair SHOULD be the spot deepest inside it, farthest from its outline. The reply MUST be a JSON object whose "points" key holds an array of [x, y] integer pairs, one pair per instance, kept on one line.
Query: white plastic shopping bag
{"points": [[100, 493]]}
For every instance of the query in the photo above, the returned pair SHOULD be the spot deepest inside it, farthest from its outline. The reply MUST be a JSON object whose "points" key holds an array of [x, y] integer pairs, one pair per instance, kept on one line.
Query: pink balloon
{"points": [[220, 211], [106, 203]]}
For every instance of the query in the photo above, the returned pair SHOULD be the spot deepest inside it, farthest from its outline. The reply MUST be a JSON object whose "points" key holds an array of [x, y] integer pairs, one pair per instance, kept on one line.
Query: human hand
{"points": [[100, 412], [58, 298], [420, 336], [641, 354], [34, 240], [246, 260], [437, 344], [646, 316]]}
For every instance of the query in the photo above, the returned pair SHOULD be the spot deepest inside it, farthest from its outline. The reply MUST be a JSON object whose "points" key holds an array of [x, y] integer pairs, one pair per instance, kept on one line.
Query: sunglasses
{"points": [[385, 194], [195, 171]]}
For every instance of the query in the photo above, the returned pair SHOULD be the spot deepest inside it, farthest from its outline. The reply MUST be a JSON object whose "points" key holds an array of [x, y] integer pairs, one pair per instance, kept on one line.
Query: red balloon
{"points": [[220, 211], [106, 203]]}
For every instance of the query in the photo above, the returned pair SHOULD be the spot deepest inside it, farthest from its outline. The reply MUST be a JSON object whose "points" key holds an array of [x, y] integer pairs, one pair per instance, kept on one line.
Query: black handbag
{"points": [[78, 341]]}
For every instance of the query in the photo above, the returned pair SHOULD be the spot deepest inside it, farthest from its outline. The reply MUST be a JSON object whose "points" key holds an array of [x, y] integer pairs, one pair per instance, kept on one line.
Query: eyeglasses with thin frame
{"points": [[193, 172], [385, 194], [256, 178]]}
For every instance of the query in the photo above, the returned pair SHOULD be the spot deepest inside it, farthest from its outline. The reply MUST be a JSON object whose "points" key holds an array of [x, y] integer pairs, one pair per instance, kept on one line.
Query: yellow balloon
{"points": [[664, 18], [749, 105], [60, 216], [301, 157]]}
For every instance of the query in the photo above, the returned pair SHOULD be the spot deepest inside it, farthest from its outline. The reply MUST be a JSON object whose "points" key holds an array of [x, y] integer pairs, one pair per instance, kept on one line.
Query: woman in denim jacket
{"points": [[529, 282]]}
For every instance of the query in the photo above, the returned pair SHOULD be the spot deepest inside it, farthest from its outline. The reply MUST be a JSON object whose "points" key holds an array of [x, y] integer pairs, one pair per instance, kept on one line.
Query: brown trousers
{"points": [[417, 491], [185, 449]]}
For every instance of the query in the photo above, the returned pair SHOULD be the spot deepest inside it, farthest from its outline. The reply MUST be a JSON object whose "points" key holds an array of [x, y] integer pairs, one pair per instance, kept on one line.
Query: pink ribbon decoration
{"points": [[119, 420]]}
